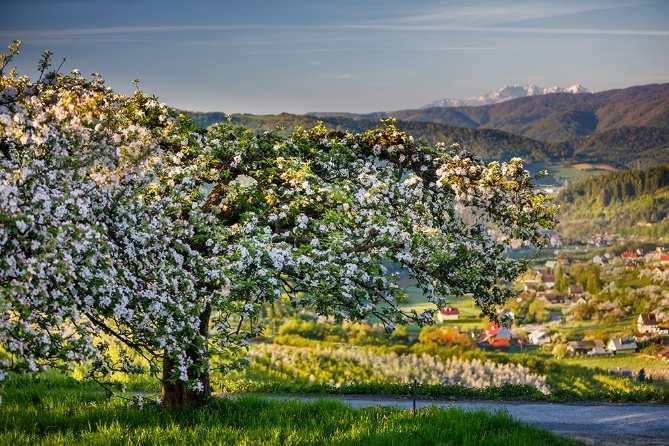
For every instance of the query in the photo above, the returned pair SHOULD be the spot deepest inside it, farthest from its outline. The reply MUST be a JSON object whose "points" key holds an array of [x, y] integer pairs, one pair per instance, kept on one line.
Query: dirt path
{"points": [[597, 424]]}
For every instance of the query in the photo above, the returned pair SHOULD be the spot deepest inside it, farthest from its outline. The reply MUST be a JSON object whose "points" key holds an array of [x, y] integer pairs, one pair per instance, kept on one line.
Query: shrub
{"points": [[445, 337]]}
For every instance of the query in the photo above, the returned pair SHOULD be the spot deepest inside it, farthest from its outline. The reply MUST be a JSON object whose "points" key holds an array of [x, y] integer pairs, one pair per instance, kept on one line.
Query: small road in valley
{"points": [[592, 423]]}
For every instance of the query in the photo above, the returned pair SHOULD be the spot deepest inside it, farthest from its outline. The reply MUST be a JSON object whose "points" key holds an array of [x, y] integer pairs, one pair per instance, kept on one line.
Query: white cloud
{"points": [[462, 48], [493, 12], [514, 29]]}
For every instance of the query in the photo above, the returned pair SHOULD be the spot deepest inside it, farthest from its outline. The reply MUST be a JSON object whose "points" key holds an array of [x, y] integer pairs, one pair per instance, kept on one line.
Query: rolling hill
{"points": [[624, 146], [632, 202]]}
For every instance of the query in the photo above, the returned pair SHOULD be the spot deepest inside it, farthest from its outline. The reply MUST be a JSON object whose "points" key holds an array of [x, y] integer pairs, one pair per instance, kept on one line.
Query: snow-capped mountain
{"points": [[506, 93]]}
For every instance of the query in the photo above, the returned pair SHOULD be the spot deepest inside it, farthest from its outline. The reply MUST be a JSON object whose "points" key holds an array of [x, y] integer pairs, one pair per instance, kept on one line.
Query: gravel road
{"points": [[595, 424]]}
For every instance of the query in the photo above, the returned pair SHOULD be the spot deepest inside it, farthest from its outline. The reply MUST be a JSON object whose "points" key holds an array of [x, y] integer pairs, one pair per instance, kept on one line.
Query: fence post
{"points": [[413, 394]]}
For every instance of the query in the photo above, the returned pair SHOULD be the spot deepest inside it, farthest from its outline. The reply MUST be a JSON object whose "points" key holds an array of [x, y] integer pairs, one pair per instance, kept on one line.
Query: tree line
{"points": [[617, 186]]}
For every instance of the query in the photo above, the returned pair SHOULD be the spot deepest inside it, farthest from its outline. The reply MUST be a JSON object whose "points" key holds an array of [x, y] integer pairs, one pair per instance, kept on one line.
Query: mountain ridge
{"points": [[623, 127], [506, 93], [555, 117]]}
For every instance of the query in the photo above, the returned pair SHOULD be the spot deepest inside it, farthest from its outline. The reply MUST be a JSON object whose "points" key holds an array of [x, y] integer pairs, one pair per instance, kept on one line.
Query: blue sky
{"points": [[352, 55]]}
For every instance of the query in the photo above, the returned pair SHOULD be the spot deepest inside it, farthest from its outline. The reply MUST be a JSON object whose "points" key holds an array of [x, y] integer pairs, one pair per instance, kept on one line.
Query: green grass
{"points": [[56, 410], [630, 361], [578, 329]]}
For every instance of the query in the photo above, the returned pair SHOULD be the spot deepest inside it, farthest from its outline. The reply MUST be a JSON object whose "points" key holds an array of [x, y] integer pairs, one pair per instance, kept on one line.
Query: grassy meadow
{"points": [[54, 410]]}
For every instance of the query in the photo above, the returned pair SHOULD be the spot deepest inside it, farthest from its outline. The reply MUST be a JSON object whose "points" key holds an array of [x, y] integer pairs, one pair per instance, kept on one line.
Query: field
{"points": [[60, 411], [633, 362], [587, 167], [581, 328]]}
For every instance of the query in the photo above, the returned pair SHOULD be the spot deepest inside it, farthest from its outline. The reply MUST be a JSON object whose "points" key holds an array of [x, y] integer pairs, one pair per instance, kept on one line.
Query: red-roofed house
{"points": [[448, 314], [575, 290], [548, 279], [630, 257], [496, 336], [647, 323]]}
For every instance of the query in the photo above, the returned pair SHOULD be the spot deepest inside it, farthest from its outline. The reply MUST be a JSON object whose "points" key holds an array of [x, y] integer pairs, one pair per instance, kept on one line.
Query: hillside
{"points": [[632, 202], [625, 146], [554, 117], [488, 143]]}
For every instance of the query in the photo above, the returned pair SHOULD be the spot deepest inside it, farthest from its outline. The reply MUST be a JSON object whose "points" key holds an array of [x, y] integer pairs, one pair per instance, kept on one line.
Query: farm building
{"points": [[554, 299], [575, 291], [598, 349], [448, 314], [620, 345], [496, 336], [580, 347], [647, 323], [539, 337]]}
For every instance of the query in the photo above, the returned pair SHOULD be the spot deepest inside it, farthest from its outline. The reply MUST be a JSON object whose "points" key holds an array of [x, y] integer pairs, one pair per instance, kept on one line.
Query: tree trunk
{"points": [[177, 394]]}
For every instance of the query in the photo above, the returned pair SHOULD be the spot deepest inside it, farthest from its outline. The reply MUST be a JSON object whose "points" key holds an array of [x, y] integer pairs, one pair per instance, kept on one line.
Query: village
{"points": [[606, 304]]}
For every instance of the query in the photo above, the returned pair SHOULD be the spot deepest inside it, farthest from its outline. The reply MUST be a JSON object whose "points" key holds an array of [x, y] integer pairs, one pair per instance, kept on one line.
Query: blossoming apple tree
{"points": [[126, 233]]}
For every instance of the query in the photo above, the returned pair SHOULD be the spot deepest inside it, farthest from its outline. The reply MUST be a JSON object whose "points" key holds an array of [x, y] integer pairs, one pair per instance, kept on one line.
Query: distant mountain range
{"points": [[507, 93], [554, 117], [624, 127]]}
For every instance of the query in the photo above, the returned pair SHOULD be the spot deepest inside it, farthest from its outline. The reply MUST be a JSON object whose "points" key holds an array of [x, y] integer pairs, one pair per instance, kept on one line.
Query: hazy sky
{"points": [[351, 55]]}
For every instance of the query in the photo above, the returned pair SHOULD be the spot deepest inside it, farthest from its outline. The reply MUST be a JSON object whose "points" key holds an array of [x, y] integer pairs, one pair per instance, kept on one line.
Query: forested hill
{"points": [[624, 146], [490, 144], [617, 186], [633, 203]]}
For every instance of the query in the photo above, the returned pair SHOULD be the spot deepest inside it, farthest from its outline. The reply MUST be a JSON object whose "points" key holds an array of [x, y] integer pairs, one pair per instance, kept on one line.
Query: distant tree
{"points": [[583, 311], [561, 280], [559, 350], [445, 337], [537, 312]]}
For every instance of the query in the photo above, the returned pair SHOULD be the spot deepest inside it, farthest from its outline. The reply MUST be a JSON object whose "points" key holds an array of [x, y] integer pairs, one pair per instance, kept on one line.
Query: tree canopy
{"points": [[122, 224]]}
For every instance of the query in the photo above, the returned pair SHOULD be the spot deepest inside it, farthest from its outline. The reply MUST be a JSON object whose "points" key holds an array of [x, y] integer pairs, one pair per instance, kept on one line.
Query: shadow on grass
{"points": [[63, 411]]}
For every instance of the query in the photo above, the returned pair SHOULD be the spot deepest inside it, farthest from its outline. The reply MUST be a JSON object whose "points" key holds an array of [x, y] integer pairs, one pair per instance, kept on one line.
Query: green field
{"points": [[630, 361], [578, 329], [55, 410], [469, 312]]}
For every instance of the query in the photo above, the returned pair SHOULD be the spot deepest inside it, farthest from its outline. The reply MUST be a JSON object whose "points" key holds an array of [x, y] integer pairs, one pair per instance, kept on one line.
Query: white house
{"points": [[539, 337], [598, 349], [620, 345], [598, 260]]}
